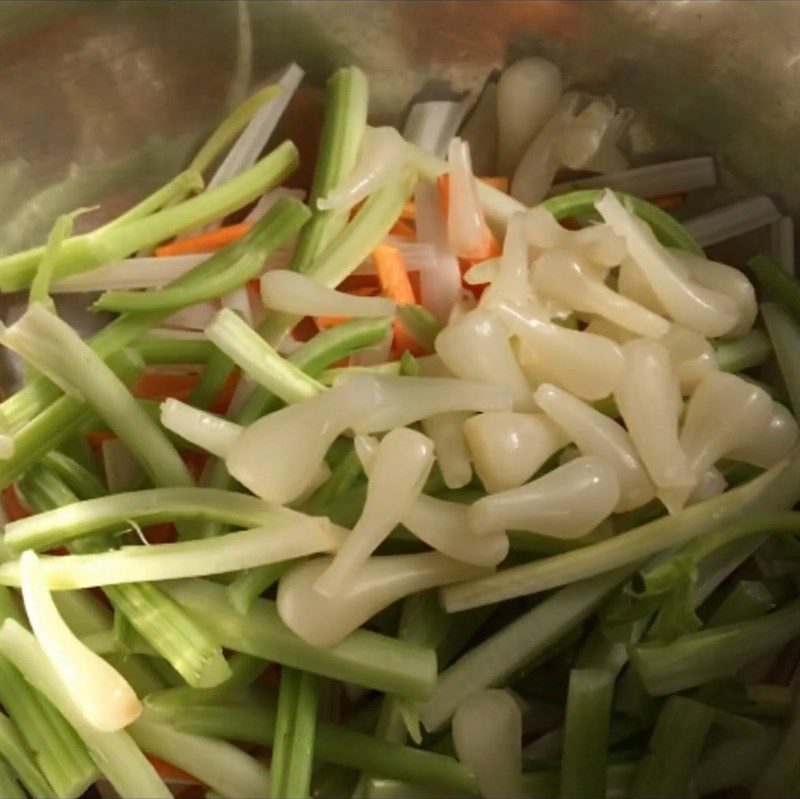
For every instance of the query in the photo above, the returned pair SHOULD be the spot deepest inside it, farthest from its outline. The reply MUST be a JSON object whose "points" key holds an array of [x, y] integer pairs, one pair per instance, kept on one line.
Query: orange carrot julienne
{"points": [[396, 285], [205, 242], [409, 211], [669, 201], [401, 228], [499, 182], [160, 385], [169, 772], [493, 248], [13, 504]]}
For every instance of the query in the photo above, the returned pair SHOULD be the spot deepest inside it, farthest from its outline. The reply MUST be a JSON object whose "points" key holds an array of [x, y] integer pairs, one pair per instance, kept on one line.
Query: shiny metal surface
{"points": [[101, 101]]}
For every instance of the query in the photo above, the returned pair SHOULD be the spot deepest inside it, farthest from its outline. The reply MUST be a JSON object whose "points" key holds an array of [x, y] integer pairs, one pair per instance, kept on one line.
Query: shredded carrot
{"points": [[160, 385], [396, 285], [169, 772], [195, 462], [409, 211], [97, 437], [499, 182], [205, 242], [305, 329], [669, 201], [401, 228], [13, 504], [163, 533], [221, 403], [443, 186]]}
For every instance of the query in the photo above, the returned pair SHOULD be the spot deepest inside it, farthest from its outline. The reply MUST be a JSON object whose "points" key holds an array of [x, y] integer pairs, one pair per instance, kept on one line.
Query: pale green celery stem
{"points": [[250, 584], [81, 253], [784, 332], [83, 614], [22, 760], [781, 777], [364, 658], [420, 323], [150, 506], [115, 754], [259, 360], [155, 349], [40, 285], [492, 661], [139, 672], [750, 350], [10, 787], [776, 489]]}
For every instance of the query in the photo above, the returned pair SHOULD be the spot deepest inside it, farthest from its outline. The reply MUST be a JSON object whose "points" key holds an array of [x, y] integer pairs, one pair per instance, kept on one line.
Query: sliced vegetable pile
{"points": [[423, 484]]}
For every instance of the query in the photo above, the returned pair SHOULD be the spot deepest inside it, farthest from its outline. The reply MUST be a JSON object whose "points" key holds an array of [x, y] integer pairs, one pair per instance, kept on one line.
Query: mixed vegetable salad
{"points": [[425, 482]]}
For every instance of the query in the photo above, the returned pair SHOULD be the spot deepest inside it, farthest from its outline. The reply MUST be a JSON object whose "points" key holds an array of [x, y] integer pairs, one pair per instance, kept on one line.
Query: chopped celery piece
{"points": [[281, 222], [82, 253], [22, 760], [259, 360], [10, 787], [749, 599], [364, 657], [774, 278], [216, 374], [40, 285], [295, 726], [251, 584], [154, 349], [781, 777], [420, 323], [784, 332], [750, 350], [674, 750]]}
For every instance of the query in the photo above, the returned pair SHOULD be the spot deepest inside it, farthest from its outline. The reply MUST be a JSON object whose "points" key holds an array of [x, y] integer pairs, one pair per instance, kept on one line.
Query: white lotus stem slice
{"points": [[691, 355], [487, 735], [648, 398], [568, 279], [379, 583], [397, 472], [726, 280], [712, 483], [632, 283], [589, 141], [528, 93], [383, 154], [510, 280], [565, 503], [599, 326], [466, 227], [270, 198], [431, 125], [104, 697], [275, 457], [193, 317], [733, 220], [595, 433], [509, 448], [476, 347], [589, 366], [401, 401], [283, 290], [768, 448], [207, 430], [446, 430], [696, 307]]}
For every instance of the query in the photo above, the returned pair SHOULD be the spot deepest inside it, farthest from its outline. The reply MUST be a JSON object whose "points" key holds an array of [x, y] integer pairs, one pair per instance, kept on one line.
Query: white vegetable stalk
{"points": [[509, 448], [379, 583], [487, 735], [287, 538], [596, 434], [724, 413], [510, 278], [466, 227], [528, 93], [691, 355], [588, 366], [565, 503], [207, 430], [733, 220], [193, 317], [477, 348], [292, 292], [691, 305], [440, 278], [270, 198], [590, 140], [726, 280], [397, 472], [566, 278], [432, 124], [383, 154], [446, 430], [121, 469], [602, 327], [775, 443], [648, 398], [655, 180], [103, 696], [401, 401], [712, 483], [130, 273]]}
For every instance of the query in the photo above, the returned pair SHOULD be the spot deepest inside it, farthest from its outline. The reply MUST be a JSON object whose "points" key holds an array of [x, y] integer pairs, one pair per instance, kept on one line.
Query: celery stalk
{"points": [[10, 787], [21, 759], [784, 332]]}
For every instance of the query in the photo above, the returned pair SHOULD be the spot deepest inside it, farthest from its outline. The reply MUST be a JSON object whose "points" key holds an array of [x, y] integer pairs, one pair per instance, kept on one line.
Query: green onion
{"points": [[420, 324], [775, 279], [82, 253], [295, 726], [715, 653], [364, 658], [22, 760], [674, 750], [784, 332]]}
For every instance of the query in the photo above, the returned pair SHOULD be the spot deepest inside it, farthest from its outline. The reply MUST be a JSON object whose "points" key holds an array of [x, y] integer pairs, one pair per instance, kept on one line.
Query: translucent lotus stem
{"points": [[726, 280], [509, 448], [293, 292], [768, 448], [654, 180], [691, 355], [324, 622], [194, 317], [568, 279], [431, 125], [103, 696], [589, 141], [691, 305], [383, 154], [565, 503], [400, 401], [596, 434], [477, 348], [466, 227], [589, 366], [724, 413], [209, 431], [599, 326], [648, 398], [398, 471], [487, 734], [732, 220], [509, 280], [712, 483], [446, 430]]}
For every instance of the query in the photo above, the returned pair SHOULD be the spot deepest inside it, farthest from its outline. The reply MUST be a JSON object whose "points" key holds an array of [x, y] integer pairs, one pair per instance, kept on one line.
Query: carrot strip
{"points": [[205, 242], [499, 182], [401, 228], [13, 504], [164, 533], [669, 201], [396, 285], [324, 322], [221, 403], [493, 248], [409, 211], [169, 772], [159, 386]]}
